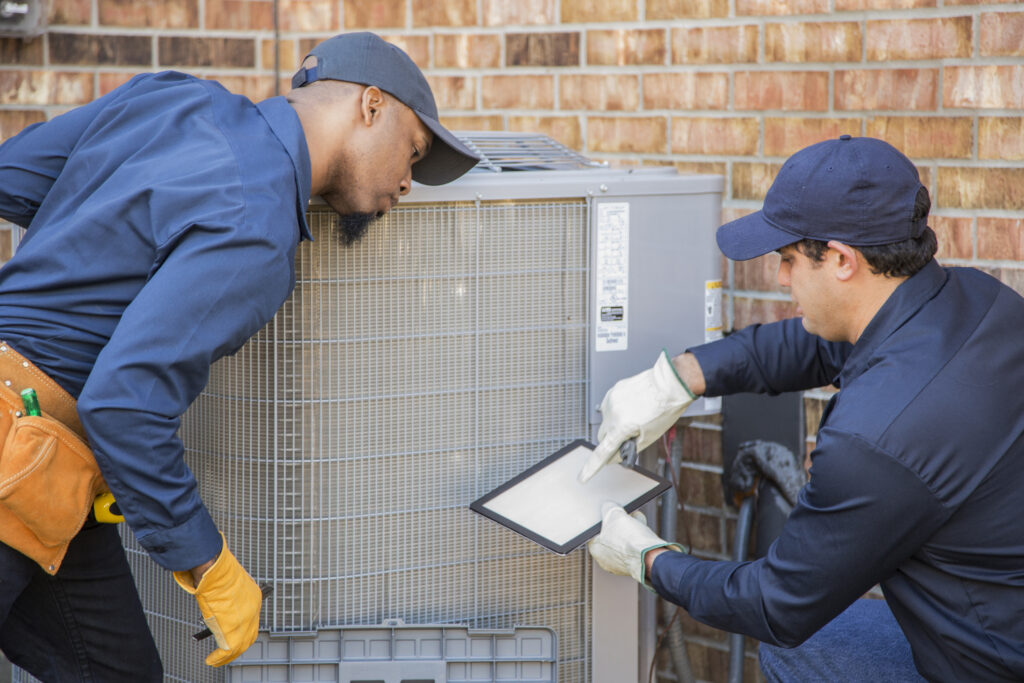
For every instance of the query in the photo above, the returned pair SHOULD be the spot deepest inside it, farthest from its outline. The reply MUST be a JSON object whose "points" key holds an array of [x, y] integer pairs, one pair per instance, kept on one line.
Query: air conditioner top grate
{"points": [[500, 151]]}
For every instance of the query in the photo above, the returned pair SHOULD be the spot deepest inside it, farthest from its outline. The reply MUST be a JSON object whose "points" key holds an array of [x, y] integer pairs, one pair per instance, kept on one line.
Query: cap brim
{"points": [[448, 158], [752, 236]]}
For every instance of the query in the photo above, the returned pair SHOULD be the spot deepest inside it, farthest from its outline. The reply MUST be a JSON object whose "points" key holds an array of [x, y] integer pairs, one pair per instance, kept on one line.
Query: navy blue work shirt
{"points": [[916, 480], [162, 221]]}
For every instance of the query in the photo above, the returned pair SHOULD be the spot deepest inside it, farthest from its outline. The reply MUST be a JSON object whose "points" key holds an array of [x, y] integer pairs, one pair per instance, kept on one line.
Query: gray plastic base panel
{"points": [[398, 653]]}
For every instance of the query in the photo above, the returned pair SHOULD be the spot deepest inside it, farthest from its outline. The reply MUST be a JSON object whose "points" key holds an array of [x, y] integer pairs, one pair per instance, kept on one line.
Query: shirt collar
{"points": [[902, 304], [285, 124]]}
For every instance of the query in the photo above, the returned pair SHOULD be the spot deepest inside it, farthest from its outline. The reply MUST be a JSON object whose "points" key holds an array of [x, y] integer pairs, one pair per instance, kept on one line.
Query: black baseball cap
{"points": [[858, 191], [367, 59]]}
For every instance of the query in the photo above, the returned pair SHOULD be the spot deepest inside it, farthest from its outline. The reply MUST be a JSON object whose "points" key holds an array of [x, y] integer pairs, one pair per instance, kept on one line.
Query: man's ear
{"points": [[371, 104], [846, 261]]}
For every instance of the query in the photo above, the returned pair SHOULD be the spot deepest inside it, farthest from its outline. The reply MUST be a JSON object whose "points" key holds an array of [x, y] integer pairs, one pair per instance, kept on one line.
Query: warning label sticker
{"points": [[612, 277]]}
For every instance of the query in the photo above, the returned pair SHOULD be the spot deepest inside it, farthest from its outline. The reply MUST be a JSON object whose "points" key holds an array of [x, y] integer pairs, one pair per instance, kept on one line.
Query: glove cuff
{"points": [[669, 379], [643, 578]]}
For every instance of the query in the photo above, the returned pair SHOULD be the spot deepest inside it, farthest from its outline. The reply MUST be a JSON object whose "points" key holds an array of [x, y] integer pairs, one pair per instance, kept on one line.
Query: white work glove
{"points": [[642, 406], [623, 542]]}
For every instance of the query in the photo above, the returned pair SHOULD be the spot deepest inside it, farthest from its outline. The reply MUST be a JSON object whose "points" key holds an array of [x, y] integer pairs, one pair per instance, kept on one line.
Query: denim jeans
{"points": [[864, 643], [85, 624]]}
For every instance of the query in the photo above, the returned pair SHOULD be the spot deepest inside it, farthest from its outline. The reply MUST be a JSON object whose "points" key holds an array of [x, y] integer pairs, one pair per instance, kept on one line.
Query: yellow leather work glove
{"points": [[230, 602], [642, 406]]}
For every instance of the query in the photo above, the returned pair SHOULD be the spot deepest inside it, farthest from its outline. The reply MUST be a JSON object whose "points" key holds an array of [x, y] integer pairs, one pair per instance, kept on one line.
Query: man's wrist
{"points": [[689, 371]]}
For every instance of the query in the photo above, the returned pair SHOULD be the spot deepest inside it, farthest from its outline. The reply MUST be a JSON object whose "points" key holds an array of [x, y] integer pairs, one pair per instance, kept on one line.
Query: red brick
{"points": [[751, 180], [109, 81], [287, 55], [989, 87], [714, 135], [448, 13], [1001, 239], [467, 50], [574, 11], [360, 14], [518, 92], [13, 121], [954, 235], [565, 129], [464, 122], [626, 47], [240, 15], [749, 311], [786, 90], [980, 188], [417, 47], [1002, 34], [542, 49], [207, 51], [978, 2], [759, 274], [641, 135], [86, 49], [518, 13], [255, 87], [1001, 137], [887, 89], [686, 9], [454, 92], [686, 90], [150, 14], [41, 88], [700, 167], [919, 39], [784, 136], [761, 7], [925, 136], [309, 16], [714, 45], [813, 42], [70, 12], [603, 92], [859, 5], [19, 51]]}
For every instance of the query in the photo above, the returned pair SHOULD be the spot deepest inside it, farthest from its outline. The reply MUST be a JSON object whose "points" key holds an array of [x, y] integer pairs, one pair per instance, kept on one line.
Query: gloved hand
{"points": [[230, 602], [644, 406], [623, 541]]}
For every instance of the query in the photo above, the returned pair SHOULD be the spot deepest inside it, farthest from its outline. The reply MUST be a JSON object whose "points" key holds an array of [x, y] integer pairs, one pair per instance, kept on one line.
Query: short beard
{"points": [[352, 227]]}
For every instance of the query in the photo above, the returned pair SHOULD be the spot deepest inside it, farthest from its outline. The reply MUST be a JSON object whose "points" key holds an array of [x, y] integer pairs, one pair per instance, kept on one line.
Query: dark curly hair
{"points": [[899, 259]]}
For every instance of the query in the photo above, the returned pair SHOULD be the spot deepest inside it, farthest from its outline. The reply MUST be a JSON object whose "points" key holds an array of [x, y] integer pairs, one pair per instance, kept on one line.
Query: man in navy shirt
{"points": [[161, 226], [916, 475]]}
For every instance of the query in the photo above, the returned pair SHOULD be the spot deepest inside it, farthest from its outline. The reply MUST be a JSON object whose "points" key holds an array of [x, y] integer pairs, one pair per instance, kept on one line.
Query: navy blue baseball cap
{"points": [[367, 59], [858, 191]]}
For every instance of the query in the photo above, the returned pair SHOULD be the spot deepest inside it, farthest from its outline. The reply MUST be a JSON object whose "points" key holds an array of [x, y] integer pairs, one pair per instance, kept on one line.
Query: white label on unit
{"points": [[612, 318], [712, 328]]}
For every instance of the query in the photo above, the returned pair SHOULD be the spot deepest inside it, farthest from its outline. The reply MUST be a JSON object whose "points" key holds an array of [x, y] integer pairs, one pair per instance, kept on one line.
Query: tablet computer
{"points": [[548, 505]]}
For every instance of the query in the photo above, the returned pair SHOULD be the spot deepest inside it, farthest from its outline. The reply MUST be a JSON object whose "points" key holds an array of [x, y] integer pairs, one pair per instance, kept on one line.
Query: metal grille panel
{"points": [[339, 449]]}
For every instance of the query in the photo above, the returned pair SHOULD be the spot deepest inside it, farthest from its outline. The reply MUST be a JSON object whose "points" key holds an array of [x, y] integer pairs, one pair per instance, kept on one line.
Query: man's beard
{"points": [[352, 226]]}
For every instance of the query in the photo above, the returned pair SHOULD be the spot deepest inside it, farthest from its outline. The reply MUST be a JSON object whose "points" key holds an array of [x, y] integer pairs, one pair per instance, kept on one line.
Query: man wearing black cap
{"points": [[919, 462], [162, 221]]}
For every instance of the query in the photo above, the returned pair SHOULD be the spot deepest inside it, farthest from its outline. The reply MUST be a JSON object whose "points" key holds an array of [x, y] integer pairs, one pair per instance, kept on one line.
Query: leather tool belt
{"points": [[48, 475]]}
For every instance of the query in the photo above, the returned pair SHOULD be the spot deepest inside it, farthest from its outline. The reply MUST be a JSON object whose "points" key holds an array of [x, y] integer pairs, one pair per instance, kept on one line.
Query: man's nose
{"points": [[406, 184]]}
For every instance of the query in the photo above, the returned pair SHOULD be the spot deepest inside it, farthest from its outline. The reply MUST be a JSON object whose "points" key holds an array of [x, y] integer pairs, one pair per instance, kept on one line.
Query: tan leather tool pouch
{"points": [[48, 481]]}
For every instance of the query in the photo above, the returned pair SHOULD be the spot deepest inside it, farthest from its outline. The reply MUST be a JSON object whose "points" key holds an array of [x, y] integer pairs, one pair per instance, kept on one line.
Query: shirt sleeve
{"points": [[216, 286], [31, 161], [772, 358], [861, 516]]}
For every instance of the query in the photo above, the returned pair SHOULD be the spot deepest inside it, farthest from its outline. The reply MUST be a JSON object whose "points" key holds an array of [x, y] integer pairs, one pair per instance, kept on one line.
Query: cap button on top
{"points": [[844, 137]]}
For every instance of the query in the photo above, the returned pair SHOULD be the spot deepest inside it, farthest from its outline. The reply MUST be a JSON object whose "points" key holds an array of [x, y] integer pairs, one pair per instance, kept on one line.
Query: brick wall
{"points": [[723, 86]]}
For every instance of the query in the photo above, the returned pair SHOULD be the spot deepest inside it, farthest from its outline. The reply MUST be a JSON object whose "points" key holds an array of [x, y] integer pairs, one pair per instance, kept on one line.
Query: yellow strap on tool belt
{"points": [[48, 475]]}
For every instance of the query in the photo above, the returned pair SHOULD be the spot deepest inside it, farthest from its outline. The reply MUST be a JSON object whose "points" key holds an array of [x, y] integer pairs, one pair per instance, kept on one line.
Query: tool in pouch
{"points": [[104, 506]]}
